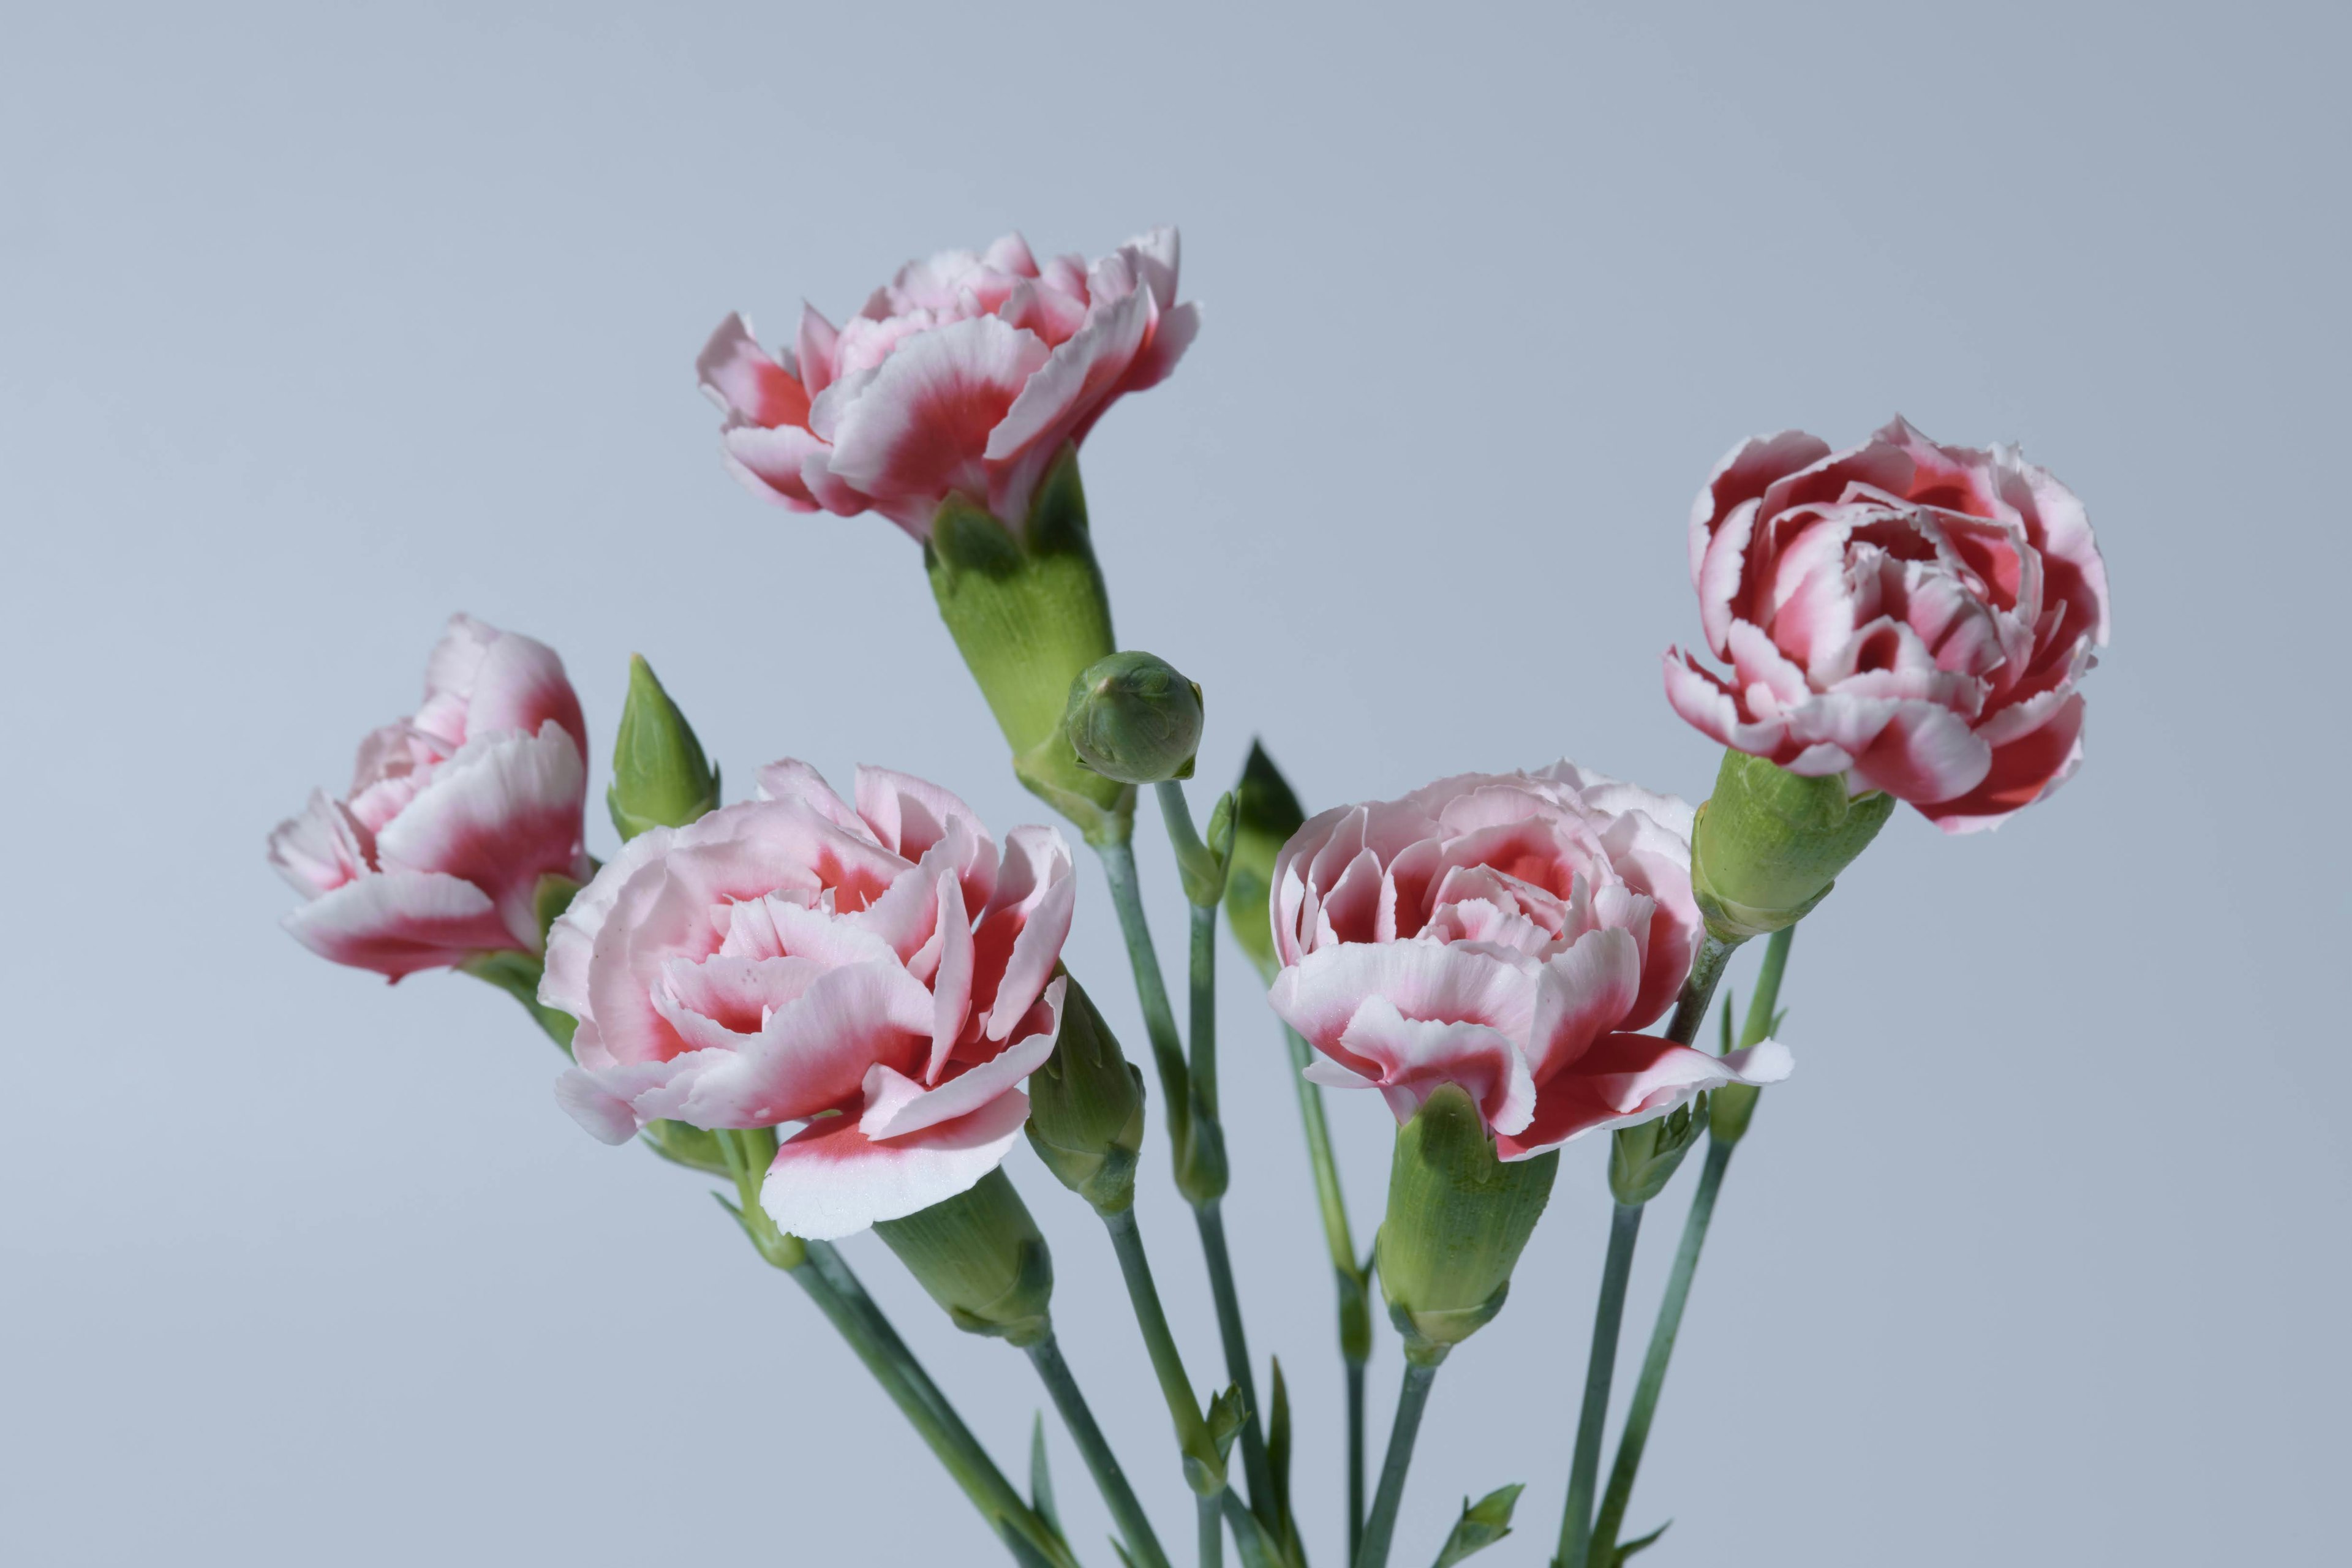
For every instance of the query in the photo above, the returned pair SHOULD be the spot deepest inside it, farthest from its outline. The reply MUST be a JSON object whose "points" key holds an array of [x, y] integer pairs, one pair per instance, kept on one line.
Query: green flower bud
{"points": [[1265, 813], [980, 1256], [1644, 1158], [1768, 845], [1027, 608], [660, 777], [1132, 718], [1458, 1218], [1085, 1109]]}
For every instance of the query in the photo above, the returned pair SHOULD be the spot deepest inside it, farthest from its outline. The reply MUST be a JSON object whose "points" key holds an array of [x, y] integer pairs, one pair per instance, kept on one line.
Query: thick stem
{"points": [[1167, 1361], [1653, 1366], [1380, 1528], [1142, 1545], [1607, 1315], [1255, 1464], [859, 1321], [1699, 990], [1151, 991], [1211, 1531], [1355, 1459]]}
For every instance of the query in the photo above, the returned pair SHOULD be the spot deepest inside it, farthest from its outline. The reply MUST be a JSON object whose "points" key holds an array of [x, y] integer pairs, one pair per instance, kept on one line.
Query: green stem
{"points": [[1151, 991], [1699, 990], [1355, 1458], [1644, 1408], [1761, 1008], [1202, 1011], [1167, 1361], [1608, 1316], [1212, 1530], [1348, 1275], [1380, 1530], [1142, 1545], [1255, 1464]]}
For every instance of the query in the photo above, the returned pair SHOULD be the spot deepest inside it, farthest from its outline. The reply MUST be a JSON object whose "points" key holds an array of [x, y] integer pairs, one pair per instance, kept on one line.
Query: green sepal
{"points": [[1645, 1157], [1202, 1174], [1278, 1460], [1201, 864], [1482, 1524], [1205, 1452], [1265, 813], [1768, 844], [1028, 611], [682, 1144], [980, 1256], [1458, 1218]]}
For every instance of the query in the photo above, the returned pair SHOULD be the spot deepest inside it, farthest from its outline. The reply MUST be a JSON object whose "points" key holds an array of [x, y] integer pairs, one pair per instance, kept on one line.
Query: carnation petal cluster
{"points": [[966, 372], [878, 971], [1508, 933], [452, 816], [1917, 616]]}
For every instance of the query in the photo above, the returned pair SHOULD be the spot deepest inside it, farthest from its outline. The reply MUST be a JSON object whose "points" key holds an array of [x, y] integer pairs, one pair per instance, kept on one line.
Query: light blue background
{"points": [[318, 323]]}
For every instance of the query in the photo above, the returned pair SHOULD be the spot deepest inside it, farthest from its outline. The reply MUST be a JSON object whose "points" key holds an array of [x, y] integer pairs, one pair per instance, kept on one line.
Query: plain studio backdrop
{"points": [[318, 323]]}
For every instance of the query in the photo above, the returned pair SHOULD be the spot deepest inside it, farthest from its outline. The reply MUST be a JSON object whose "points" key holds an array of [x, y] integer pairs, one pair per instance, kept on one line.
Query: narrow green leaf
{"points": [[1040, 1479], [1646, 1541], [1277, 1444], [1258, 1549], [1123, 1557], [1024, 1551], [1482, 1524], [1728, 1000]]}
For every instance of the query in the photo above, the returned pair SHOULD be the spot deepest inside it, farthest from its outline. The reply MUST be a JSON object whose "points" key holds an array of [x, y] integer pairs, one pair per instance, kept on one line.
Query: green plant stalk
{"points": [[1761, 1008], [1607, 1315], [1609, 1312], [1167, 1361], [1380, 1528], [1187, 1122], [1134, 1527], [1212, 1530]]}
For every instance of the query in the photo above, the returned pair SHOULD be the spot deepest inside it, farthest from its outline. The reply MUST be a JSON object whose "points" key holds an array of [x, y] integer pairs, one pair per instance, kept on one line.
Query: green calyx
{"points": [[1085, 1108], [1458, 1218], [1133, 718], [1643, 1158], [1265, 813], [1768, 845], [1028, 611], [660, 777], [980, 1256]]}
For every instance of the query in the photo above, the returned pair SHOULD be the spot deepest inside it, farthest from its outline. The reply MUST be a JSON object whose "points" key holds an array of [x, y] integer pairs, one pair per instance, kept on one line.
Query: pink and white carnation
{"points": [[879, 972], [453, 817], [1506, 932], [966, 372], [1915, 616]]}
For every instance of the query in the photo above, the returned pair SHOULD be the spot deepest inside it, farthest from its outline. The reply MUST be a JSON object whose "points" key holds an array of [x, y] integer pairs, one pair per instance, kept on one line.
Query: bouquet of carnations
{"points": [[849, 1008]]}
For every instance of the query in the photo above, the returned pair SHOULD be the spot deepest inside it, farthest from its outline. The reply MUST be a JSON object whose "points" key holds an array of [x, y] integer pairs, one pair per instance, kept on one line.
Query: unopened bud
{"points": [[1644, 1158], [980, 1256], [660, 777], [1132, 718], [1768, 845], [1265, 813], [1085, 1108], [1458, 1218]]}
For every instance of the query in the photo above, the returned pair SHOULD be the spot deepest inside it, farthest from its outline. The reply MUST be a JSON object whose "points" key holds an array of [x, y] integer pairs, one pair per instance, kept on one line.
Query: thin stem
{"points": [[1653, 1366], [861, 1323], [1255, 1465], [1699, 990], [1212, 1530], [1142, 1545], [1202, 1011], [1766, 1000], [1607, 1315], [1355, 1459], [1167, 1361], [1150, 990], [1380, 1530]]}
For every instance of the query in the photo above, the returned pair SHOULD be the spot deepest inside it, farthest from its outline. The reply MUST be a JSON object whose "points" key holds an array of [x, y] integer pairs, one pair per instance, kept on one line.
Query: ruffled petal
{"points": [[397, 923], [831, 1180], [1626, 1079]]}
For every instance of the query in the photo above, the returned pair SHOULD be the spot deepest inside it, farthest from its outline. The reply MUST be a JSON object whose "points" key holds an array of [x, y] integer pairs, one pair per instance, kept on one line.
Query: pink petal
{"points": [[774, 465], [319, 850], [1411, 1059], [892, 1112], [1036, 951], [818, 341], [1626, 1079], [1320, 995], [2022, 772], [831, 1180], [741, 377], [521, 685], [811, 1055], [908, 815], [502, 811], [1582, 995], [921, 426], [1922, 752], [401, 922], [792, 779]]}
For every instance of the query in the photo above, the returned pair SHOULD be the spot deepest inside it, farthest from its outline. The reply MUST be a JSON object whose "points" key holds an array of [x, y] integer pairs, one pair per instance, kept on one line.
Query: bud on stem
{"points": [[1458, 1218], [1085, 1109], [660, 777], [1768, 845], [1131, 717], [980, 1256], [1645, 1157], [1265, 813]]}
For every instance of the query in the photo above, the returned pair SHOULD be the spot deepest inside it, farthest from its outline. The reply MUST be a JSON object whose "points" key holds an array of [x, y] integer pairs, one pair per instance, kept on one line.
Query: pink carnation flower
{"points": [[452, 816], [1506, 932], [879, 972], [1917, 616], [964, 373]]}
